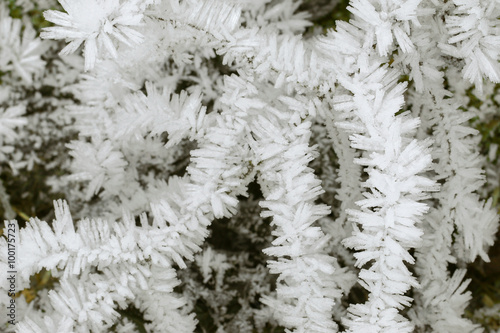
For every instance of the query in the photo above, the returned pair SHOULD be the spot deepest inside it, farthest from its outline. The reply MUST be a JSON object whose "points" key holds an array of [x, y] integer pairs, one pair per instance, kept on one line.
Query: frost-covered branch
{"points": [[179, 115]]}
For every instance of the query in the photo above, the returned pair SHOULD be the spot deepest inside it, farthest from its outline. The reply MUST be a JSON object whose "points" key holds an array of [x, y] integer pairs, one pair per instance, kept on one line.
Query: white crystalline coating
{"points": [[187, 105], [92, 22]]}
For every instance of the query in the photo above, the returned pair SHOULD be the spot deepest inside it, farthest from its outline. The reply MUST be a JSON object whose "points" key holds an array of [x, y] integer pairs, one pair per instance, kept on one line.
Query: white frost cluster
{"points": [[19, 53], [93, 22], [341, 164]]}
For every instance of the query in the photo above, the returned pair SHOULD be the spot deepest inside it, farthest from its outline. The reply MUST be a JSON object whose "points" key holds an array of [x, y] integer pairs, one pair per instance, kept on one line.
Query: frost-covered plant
{"points": [[352, 145]]}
